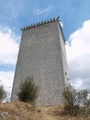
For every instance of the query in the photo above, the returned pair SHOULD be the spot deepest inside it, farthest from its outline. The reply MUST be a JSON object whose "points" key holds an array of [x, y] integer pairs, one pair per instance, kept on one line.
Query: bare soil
{"points": [[24, 111]]}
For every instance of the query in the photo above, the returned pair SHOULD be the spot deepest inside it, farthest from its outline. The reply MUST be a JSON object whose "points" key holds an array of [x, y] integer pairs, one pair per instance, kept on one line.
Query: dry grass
{"points": [[24, 111]]}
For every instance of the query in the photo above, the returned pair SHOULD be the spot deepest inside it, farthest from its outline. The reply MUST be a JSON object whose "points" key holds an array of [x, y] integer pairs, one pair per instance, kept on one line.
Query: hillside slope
{"points": [[23, 111]]}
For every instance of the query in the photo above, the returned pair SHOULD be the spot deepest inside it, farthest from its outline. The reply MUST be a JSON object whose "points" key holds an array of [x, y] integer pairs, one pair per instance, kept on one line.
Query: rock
{"points": [[17, 117], [4, 114]]}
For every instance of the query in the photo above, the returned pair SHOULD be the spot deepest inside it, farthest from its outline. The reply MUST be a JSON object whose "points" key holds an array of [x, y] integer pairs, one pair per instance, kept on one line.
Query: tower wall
{"points": [[42, 55]]}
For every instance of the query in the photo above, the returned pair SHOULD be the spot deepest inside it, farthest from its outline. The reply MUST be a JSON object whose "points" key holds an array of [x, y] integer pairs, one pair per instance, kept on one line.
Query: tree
{"points": [[3, 93], [28, 91], [76, 101]]}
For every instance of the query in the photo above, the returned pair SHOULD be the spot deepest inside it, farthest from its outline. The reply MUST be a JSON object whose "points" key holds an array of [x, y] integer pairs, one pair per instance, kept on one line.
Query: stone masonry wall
{"points": [[41, 56]]}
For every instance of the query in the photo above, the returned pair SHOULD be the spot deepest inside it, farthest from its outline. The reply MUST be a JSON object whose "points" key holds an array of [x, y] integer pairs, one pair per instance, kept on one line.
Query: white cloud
{"points": [[61, 24], [8, 46], [78, 55], [6, 79], [77, 83], [8, 55], [46, 10]]}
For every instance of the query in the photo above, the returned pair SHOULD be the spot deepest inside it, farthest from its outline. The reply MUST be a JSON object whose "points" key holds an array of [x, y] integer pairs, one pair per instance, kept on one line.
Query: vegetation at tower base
{"points": [[28, 91], [3, 93], [77, 102]]}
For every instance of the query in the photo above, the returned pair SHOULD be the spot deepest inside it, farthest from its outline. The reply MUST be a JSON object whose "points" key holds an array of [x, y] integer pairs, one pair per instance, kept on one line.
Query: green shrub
{"points": [[28, 91], [72, 109]]}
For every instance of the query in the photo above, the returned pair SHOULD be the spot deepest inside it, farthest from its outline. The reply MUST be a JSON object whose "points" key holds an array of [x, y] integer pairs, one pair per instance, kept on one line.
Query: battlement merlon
{"points": [[45, 22]]}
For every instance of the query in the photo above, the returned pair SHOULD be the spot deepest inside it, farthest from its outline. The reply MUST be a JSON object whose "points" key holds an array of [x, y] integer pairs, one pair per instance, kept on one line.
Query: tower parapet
{"points": [[44, 22], [40, 23]]}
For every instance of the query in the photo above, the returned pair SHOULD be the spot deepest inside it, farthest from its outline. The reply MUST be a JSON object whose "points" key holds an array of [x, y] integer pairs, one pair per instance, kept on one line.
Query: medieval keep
{"points": [[42, 55]]}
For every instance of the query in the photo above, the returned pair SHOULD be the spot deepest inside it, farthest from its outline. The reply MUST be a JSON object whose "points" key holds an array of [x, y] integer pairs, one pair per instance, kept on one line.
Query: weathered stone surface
{"points": [[42, 55]]}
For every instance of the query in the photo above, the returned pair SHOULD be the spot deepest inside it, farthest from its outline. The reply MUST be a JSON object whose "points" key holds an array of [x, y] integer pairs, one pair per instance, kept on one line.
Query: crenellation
{"points": [[45, 21], [31, 25], [53, 19], [26, 27], [62, 32], [41, 23], [36, 24], [57, 18], [50, 20]]}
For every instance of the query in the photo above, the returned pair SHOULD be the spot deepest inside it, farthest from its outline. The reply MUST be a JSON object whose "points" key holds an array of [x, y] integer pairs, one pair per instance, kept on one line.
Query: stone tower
{"points": [[42, 55]]}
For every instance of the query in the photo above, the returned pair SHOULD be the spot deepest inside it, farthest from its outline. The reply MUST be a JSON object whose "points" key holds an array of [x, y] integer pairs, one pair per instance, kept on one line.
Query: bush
{"points": [[76, 101], [28, 91], [2, 93]]}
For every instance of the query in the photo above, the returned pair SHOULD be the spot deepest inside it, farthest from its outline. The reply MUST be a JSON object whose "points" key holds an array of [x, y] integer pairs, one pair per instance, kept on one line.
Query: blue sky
{"points": [[75, 17]]}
